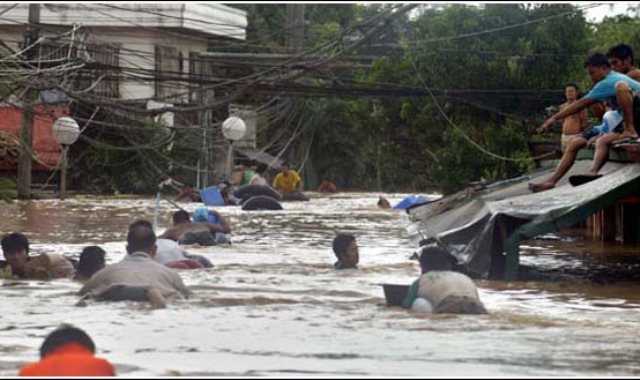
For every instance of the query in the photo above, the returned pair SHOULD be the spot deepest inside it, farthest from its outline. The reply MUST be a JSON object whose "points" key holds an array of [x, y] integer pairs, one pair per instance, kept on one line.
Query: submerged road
{"points": [[274, 306]]}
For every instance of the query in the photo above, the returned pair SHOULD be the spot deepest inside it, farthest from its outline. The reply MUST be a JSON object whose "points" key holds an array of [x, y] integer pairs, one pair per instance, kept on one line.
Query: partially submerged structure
{"points": [[483, 226]]}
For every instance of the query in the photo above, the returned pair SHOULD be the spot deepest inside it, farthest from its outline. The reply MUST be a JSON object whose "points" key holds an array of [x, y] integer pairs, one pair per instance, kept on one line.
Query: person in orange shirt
{"points": [[68, 351]]}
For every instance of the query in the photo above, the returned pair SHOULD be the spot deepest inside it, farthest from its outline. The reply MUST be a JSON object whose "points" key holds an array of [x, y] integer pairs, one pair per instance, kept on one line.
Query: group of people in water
{"points": [[613, 100], [147, 274]]}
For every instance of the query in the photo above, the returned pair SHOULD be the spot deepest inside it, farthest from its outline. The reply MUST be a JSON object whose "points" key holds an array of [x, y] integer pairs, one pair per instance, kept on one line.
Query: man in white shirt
{"points": [[441, 289], [137, 277]]}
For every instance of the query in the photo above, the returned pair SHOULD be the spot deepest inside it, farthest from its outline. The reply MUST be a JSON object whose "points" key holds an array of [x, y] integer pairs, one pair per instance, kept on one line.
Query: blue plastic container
{"points": [[211, 196]]}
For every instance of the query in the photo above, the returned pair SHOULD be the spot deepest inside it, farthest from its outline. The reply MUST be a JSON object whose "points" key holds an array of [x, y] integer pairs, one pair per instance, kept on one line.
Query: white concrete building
{"points": [[139, 41]]}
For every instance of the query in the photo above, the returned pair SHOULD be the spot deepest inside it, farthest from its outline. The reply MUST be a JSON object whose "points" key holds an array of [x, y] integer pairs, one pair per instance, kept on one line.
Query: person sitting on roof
{"points": [[574, 125], [615, 88], [184, 231], [68, 351], [15, 248], [346, 250], [91, 261], [440, 289], [288, 181]]}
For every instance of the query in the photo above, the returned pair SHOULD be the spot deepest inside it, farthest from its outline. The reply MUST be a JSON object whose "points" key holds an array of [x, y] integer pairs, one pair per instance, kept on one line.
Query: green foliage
{"points": [[408, 144], [8, 190]]}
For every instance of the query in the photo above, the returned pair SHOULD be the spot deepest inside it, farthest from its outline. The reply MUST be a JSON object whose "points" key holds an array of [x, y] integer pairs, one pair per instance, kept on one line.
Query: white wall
{"points": [[137, 50]]}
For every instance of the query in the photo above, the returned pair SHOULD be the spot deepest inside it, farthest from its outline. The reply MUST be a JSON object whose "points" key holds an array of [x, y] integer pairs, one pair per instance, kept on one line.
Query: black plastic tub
{"points": [[395, 293]]}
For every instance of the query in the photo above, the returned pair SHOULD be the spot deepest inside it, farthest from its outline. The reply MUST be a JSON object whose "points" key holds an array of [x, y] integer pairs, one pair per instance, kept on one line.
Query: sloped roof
{"points": [[478, 226]]}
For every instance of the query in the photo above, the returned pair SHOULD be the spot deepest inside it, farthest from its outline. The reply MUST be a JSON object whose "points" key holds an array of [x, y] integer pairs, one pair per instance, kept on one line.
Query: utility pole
{"points": [[295, 26], [26, 134]]}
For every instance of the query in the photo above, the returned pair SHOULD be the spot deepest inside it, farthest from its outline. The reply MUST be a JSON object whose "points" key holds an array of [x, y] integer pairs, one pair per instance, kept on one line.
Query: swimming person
{"points": [[91, 261], [68, 351], [346, 250], [15, 248], [440, 289]]}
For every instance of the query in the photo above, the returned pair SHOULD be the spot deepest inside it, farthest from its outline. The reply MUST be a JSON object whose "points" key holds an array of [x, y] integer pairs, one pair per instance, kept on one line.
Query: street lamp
{"points": [[233, 129], [65, 131]]}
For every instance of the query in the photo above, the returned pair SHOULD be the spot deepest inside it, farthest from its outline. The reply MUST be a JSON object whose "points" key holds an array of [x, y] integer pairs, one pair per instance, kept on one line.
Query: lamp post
{"points": [[66, 132], [233, 129]]}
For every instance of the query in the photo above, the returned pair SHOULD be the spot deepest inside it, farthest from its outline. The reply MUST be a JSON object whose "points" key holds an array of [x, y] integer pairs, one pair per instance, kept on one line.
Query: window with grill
{"points": [[168, 71], [100, 76], [103, 72]]}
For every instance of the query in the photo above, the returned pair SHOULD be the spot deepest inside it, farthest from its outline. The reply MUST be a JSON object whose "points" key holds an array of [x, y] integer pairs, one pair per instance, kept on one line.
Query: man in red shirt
{"points": [[68, 351]]}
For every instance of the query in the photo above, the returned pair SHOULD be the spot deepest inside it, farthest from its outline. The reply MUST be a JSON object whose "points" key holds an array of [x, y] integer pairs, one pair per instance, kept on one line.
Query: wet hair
{"points": [[262, 168], [575, 86], [91, 260], [63, 335], [597, 60], [382, 199], [141, 222], [621, 51], [15, 242], [436, 258], [341, 243], [140, 237], [181, 216]]}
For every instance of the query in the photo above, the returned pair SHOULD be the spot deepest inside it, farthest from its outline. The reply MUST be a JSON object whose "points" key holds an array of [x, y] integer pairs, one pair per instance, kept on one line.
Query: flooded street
{"points": [[273, 304]]}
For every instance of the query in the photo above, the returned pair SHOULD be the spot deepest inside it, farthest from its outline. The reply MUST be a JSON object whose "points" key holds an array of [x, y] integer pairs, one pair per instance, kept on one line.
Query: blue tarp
{"points": [[411, 201]]}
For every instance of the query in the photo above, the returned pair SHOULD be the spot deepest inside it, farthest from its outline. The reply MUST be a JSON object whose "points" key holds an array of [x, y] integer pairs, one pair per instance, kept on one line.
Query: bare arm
{"points": [[169, 234], [570, 110], [224, 225], [584, 124]]}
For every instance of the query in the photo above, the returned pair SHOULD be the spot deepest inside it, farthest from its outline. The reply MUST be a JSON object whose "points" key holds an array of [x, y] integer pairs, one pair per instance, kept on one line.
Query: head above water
{"points": [[63, 335], [15, 247], [91, 260], [346, 250], [284, 168], [621, 58], [436, 258], [181, 217], [598, 66], [262, 168], [383, 203], [141, 238]]}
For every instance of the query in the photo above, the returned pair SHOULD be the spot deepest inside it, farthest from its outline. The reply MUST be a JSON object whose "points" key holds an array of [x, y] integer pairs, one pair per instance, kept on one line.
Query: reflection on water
{"points": [[273, 304]]}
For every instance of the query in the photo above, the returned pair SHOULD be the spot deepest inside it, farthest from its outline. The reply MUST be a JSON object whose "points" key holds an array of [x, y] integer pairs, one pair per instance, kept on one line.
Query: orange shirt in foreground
{"points": [[71, 359]]}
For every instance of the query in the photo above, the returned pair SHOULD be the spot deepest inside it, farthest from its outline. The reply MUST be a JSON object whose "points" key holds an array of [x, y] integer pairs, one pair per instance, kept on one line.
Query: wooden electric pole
{"points": [[26, 134], [295, 27]]}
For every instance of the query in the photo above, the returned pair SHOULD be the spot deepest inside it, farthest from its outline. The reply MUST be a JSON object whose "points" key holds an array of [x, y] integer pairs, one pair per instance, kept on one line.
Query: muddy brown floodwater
{"points": [[273, 305]]}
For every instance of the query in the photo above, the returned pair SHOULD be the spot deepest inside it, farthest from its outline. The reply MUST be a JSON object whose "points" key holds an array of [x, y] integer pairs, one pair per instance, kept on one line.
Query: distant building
{"points": [[130, 46]]}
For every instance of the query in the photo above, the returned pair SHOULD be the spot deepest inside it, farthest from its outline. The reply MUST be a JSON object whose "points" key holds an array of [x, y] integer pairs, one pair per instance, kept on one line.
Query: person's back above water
{"points": [[15, 248], [68, 351], [184, 231], [440, 289], [137, 277]]}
